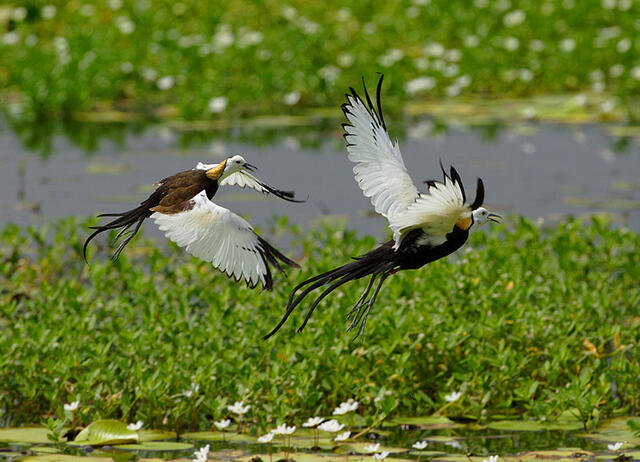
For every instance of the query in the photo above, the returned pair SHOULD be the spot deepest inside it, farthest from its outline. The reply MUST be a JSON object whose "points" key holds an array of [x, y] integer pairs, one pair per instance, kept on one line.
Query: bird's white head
{"points": [[228, 167], [482, 215]]}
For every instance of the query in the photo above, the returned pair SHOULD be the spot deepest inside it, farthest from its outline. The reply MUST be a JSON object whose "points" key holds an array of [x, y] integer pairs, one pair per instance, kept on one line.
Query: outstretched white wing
{"points": [[243, 179], [435, 212], [379, 169], [217, 235]]}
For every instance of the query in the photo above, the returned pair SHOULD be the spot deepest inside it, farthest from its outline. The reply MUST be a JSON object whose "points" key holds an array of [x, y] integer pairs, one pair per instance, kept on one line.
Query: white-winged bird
{"points": [[181, 206], [426, 226]]}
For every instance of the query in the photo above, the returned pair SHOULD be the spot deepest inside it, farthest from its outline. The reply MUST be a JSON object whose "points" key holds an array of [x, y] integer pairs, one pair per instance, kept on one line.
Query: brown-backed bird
{"points": [[181, 206], [426, 226]]}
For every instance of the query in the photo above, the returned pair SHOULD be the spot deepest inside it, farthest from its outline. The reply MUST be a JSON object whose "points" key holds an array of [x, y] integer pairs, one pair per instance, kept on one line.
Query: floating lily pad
{"points": [[615, 430], [10, 454], [155, 435], [156, 446], [427, 453], [65, 458], [428, 422], [45, 449], [533, 426], [105, 432], [442, 439], [220, 436], [24, 435]]}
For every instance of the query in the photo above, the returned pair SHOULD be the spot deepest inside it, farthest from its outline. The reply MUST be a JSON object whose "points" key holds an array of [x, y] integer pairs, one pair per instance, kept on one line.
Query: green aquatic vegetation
{"points": [[525, 321], [107, 60]]}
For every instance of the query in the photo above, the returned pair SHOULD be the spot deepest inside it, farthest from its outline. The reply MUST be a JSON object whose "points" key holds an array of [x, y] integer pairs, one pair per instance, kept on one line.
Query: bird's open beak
{"points": [[251, 168], [495, 217]]}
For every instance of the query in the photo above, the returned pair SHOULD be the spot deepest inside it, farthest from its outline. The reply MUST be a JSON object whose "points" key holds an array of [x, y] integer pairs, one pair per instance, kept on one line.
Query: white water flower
{"points": [[514, 18], [134, 427], [291, 98], [381, 455], [567, 45], [369, 448], [48, 12], [343, 436], [222, 424], [283, 430], [265, 438], [72, 406], [453, 396], [511, 43], [313, 421], [420, 84], [345, 407], [201, 454], [218, 104], [192, 391], [635, 72], [491, 459], [615, 447], [331, 426], [420, 445], [239, 408], [166, 82]]}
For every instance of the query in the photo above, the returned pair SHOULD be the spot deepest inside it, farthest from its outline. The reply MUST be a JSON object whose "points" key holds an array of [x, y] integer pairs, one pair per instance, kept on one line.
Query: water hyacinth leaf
{"points": [[616, 430], [219, 436], [442, 439], [156, 446], [427, 453], [532, 426], [10, 454], [25, 435], [45, 449], [106, 432], [308, 457], [427, 422]]}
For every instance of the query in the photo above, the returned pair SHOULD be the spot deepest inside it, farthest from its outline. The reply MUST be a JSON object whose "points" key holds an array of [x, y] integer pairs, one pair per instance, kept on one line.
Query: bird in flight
{"points": [[181, 206], [426, 225]]}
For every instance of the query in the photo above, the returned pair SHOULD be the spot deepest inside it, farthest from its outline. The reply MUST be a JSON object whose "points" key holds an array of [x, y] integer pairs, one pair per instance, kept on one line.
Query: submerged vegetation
{"points": [[525, 321], [192, 60]]}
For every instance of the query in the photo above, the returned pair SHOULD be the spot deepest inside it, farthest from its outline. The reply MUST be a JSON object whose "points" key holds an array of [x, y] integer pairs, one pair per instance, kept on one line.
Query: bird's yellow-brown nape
{"points": [[216, 172], [464, 223]]}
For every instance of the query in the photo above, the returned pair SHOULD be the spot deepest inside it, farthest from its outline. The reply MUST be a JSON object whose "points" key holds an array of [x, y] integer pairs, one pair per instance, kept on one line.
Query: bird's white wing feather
{"points": [[436, 212], [217, 235], [379, 169], [243, 179]]}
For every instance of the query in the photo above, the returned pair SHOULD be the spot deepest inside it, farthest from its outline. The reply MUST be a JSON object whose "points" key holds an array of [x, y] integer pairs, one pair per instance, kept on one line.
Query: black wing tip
{"points": [[479, 199]]}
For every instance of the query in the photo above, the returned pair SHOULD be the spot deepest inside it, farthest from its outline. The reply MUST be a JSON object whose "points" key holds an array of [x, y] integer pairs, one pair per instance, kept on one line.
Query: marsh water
{"points": [[536, 170]]}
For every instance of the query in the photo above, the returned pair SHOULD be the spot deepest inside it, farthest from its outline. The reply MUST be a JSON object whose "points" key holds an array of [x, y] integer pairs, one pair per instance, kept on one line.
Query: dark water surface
{"points": [[540, 171]]}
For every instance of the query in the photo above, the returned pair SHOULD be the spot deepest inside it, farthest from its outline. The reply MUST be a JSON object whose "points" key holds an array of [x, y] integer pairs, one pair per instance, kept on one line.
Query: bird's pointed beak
{"points": [[495, 217], [250, 167]]}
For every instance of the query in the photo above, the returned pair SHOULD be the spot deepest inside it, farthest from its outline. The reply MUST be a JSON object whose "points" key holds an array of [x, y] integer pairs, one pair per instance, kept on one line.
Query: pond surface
{"points": [[536, 170], [446, 441]]}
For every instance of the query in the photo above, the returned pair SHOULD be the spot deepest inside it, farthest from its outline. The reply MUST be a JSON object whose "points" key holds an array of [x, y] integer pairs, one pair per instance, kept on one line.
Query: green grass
{"points": [[525, 321], [170, 59]]}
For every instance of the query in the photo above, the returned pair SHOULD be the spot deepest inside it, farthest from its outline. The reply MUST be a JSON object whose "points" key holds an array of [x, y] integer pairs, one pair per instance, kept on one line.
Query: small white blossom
{"points": [[72, 406], [511, 43], [134, 427], [265, 438], [192, 391], [369, 448], [218, 104], [345, 407], [313, 421], [125, 25], [608, 4], [568, 45], [201, 454], [615, 447], [10, 38], [331, 426], [491, 459], [623, 45], [420, 445], [635, 72], [19, 14], [114, 4], [222, 424], [514, 18], [284, 430], [166, 82], [381, 455], [48, 12], [434, 49], [420, 84], [343, 436], [471, 41], [291, 98], [453, 396], [239, 408]]}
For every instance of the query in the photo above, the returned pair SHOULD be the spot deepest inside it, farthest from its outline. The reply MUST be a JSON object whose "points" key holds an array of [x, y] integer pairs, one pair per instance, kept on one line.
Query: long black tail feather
{"points": [[379, 261], [271, 255], [124, 221]]}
